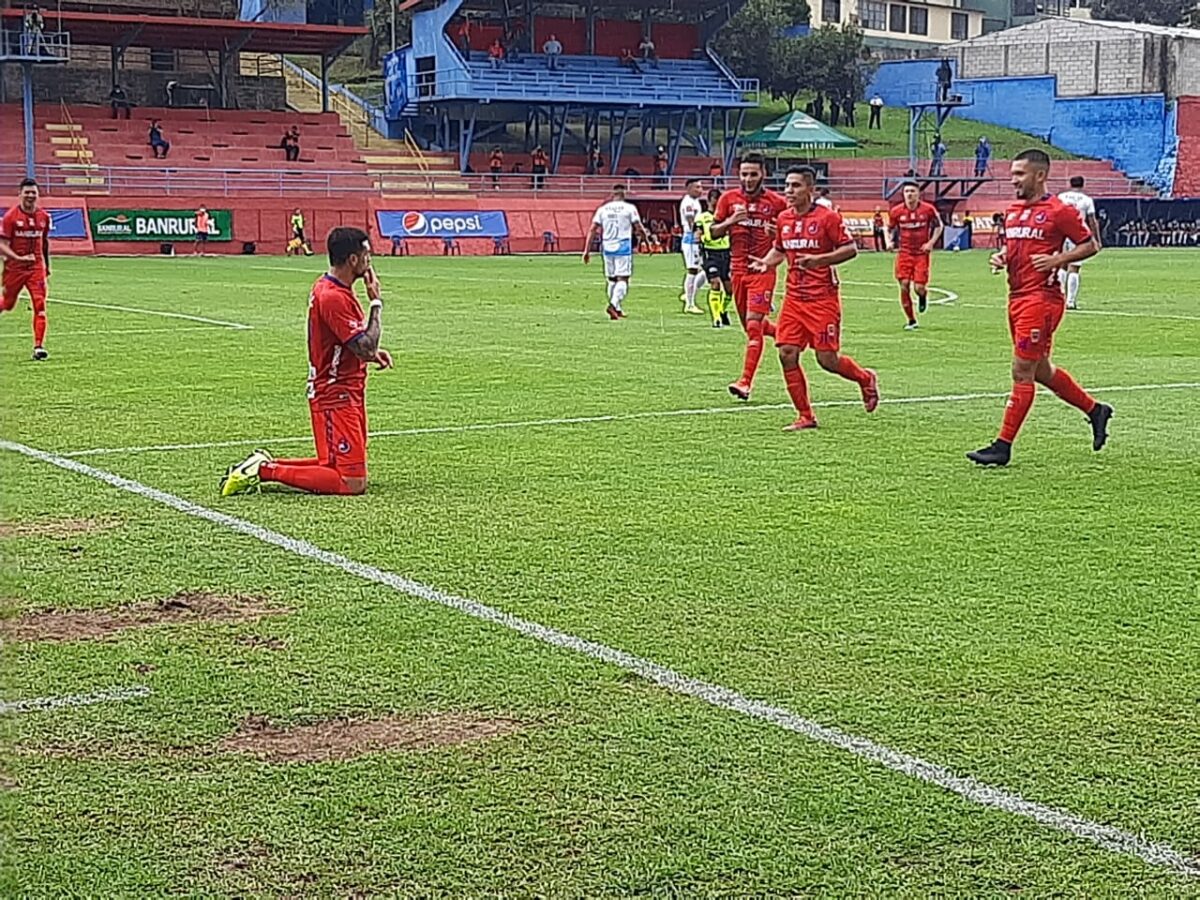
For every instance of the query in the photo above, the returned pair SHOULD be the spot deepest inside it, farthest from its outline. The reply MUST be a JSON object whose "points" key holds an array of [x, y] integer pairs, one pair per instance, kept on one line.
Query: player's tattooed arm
{"points": [[366, 345]]}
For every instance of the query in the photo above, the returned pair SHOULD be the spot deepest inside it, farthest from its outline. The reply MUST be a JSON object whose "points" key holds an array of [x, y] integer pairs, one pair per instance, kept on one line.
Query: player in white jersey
{"points": [[689, 246], [822, 199], [615, 224], [1069, 277]]}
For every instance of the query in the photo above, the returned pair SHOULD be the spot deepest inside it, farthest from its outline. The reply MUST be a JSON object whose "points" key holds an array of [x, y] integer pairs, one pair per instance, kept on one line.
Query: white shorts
{"points": [[618, 266], [1068, 246], [691, 256]]}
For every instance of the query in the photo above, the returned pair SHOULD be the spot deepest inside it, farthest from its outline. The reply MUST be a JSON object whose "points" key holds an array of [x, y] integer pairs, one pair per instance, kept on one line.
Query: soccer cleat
{"points": [[740, 389], [997, 453], [804, 423], [1071, 304], [717, 323], [244, 476], [912, 326], [725, 319], [40, 353], [922, 302], [612, 312], [870, 392], [1099, 417], [694, 310], [620, 313]]}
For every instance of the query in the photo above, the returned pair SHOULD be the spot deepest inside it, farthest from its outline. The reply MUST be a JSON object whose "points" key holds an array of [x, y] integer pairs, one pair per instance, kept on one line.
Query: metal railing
{"points": [[168, 182], [411, 143], [19, 45], [483, 81]]}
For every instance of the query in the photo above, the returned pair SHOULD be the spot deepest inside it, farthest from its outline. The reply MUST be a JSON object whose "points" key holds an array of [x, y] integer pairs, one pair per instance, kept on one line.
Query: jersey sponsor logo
{"points": [[802, 243], [1026, 232]]}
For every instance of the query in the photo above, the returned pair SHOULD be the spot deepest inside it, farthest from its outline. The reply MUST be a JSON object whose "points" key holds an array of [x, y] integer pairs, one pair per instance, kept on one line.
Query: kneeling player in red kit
{"points": [[25, 246], [1036, 228], [813, 239], [340, 345]]}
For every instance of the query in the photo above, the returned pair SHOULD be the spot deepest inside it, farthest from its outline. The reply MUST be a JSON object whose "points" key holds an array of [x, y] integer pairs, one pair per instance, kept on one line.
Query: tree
{"points": [[789, 62], [746, 39], [1151, 12]]}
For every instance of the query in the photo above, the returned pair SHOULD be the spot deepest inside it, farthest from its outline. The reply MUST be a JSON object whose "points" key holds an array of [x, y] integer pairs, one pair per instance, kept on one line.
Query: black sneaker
{"points": [[922, 302], [997, 453], [1099, 417], [725, 318], [40, 353]]}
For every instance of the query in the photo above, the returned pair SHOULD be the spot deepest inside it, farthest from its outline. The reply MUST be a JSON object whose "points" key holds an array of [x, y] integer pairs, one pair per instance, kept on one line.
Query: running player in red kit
{"points": [[1036, 227], [340, 344], [747, 214], [918, 228], [25, 246], [813, 239]]}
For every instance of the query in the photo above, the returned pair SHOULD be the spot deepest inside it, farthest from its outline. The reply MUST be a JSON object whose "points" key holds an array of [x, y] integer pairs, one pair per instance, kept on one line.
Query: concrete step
{"points": [[62, 126], [70, 141], [74, 154]]}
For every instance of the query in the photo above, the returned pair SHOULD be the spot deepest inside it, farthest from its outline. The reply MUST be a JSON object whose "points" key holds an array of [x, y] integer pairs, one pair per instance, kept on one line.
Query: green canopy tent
{"points": [[797, 134]]}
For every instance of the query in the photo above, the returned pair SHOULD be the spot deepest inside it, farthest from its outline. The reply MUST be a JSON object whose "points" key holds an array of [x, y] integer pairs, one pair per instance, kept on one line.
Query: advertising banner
{"points": [[157, 224], [433, 224]]}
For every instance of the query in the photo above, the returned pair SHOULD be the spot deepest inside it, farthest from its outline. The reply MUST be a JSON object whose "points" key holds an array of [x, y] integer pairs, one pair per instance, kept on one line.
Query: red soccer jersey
{"points": [[749, 237], [26, 232], [1039, 227], [820, 230], [336, 377], [916, 226]]}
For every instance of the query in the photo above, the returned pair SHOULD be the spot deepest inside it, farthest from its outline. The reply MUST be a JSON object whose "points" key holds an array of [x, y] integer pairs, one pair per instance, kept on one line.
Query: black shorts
{"points": [[202, 237], [716, 264]]}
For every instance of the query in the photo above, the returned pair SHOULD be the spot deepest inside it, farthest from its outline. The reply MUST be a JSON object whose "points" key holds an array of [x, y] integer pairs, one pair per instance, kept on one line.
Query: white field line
{"points": [[1107, 837], [593, 420], [152, 312], [105, 332], [38, 704]]}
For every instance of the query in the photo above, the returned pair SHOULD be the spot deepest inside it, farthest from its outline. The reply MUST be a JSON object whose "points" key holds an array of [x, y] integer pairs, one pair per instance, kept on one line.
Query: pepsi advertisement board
{"points": [[463, 223]]}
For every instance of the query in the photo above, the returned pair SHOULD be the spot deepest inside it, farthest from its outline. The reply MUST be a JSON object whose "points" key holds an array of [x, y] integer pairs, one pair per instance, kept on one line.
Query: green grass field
{"points": [[1033, 628]]}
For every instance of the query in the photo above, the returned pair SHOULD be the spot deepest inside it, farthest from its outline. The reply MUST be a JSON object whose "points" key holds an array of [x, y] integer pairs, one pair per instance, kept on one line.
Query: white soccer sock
{"points": [[620, 289], [1062, 278], [689, 289], [1072, 288], [609, 289]]}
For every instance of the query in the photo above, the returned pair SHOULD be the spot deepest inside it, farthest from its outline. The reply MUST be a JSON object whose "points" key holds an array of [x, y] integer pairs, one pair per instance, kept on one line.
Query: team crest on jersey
{"points": [[1035, 335], [813, 228], [1040, 218], [343, 446]]}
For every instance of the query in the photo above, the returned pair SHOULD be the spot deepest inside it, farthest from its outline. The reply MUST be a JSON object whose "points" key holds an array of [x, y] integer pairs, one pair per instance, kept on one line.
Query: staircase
{"points": [[398, 168], [69, 145]]}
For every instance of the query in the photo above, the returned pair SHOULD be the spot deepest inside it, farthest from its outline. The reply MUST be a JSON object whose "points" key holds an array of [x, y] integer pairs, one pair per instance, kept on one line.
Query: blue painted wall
{"points": [[1135, 131]]}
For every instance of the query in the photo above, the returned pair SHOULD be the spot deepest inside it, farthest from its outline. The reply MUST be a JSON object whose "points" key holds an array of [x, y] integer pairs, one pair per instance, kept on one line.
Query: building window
{"points": [[831, 11], [162, 60], [898, 18], [1024, 7], [958, 26], [873, 14], [918, 21]]}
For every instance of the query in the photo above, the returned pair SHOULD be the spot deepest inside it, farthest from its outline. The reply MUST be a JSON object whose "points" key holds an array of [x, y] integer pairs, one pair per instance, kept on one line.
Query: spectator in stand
{"points": [[553, 50], [496, 53], [291, 144], [983, 156], [538, 165], [119, 100], [158, 143], [595, 163], [496, 166], [629, 61], [716, 169], [648, 51], [464, 37], [876, 120], [937, 165], [661, 162], [33, 24]]}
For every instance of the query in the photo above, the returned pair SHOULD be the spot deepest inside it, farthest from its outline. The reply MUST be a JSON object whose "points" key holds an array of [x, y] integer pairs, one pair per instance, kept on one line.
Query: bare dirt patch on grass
{"points": [[93, 624], [342, 739], [56, 528]]}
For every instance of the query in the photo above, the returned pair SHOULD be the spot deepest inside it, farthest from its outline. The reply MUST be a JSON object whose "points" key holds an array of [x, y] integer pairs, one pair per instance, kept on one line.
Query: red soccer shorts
{"points": [[1032, 321], [341, 438], [32, 280], [810, 323], [753, 293], [912, 267]]}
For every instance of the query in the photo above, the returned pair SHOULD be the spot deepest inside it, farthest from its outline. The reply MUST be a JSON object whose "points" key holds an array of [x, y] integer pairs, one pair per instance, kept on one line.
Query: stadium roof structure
{"points": [[797, 131], [695, 8], [178, 33]]}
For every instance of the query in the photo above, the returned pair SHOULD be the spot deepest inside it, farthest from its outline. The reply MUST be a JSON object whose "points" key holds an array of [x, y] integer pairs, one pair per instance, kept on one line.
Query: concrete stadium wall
{"points": [[1131, 130]]}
